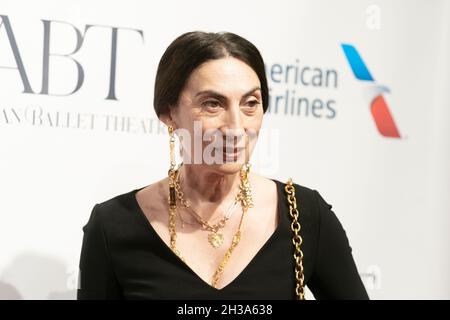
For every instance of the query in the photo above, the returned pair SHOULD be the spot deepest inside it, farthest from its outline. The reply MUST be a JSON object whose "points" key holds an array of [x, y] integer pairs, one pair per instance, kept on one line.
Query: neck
{"points": [[208, 190]]}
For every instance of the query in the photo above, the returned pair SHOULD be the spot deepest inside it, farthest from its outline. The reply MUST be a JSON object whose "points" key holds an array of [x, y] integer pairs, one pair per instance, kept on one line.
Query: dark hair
{"points": [[189, 51]]}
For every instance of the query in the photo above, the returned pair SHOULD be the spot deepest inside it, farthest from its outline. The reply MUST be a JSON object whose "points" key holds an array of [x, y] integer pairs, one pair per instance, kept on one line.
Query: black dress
{"points": [[123, 257]]}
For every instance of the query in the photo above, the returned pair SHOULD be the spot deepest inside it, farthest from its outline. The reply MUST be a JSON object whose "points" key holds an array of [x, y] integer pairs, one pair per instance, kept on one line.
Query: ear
{"points": [[168, 119]]}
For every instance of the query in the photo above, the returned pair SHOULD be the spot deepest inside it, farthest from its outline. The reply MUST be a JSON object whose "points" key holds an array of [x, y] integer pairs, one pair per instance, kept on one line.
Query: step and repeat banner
{"points": [[359, 110]]}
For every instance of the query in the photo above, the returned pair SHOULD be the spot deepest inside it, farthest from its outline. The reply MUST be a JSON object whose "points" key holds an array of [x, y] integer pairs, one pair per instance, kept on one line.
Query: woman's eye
{"points": [[253, 103], [211, 103]]}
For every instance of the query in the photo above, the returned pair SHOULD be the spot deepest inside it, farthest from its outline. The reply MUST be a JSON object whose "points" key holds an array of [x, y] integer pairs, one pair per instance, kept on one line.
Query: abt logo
{"points": [[378, 107], [6, 33]]}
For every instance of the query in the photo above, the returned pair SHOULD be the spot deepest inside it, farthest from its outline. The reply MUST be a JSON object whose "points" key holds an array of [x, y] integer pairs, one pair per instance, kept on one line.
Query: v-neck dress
{"points": [[122, 257]]}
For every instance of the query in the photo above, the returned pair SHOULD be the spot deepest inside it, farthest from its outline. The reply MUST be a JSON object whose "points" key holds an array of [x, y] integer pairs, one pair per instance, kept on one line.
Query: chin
{"points": [[230, 167], [227, 167]]}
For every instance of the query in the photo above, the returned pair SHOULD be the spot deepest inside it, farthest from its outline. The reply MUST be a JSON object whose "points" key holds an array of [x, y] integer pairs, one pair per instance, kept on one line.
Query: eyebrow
{"points": [[222, 97]]}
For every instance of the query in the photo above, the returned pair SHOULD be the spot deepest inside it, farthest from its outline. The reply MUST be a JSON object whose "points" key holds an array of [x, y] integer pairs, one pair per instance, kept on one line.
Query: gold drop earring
{"points": [[172, 193]]}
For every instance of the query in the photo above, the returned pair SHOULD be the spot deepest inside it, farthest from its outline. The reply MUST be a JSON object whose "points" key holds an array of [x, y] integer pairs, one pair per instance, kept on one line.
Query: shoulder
{"points": [[309, 197], [307, 194], [317, 216], [113, 212], [310, 202]]}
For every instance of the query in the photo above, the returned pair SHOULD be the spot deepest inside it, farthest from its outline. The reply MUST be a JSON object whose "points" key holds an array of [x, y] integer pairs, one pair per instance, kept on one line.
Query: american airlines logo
{"points": [[378, 107]]}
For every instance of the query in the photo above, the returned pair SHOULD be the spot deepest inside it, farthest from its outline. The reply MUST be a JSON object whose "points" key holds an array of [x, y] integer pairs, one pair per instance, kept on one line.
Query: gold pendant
{"points": [[215, 239]]}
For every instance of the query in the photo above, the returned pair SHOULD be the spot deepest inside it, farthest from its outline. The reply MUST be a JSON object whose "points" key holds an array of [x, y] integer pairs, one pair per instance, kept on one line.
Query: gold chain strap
{"points": [[296, 240]]}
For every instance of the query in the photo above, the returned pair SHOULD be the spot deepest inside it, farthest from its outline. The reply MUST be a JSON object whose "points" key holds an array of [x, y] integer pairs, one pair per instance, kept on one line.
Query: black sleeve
{"points": [[335, 274], [96, 276]]}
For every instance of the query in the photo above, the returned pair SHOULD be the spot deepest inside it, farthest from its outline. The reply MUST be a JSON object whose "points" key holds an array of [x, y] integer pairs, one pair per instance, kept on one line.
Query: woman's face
{"points": [[220, 110]]}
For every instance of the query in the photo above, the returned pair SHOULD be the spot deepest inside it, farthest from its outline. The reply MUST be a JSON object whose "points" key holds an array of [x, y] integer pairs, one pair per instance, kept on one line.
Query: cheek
{"points": [[254, 123], [253, 128]]}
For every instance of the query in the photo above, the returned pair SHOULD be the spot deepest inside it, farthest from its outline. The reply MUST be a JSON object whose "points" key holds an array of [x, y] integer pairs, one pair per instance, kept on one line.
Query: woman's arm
{"points": [[96, 278], [335, 274]]}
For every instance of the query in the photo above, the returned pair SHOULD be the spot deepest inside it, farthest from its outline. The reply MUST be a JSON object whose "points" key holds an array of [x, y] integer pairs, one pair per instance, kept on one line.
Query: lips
{"points": [[230, 152]]}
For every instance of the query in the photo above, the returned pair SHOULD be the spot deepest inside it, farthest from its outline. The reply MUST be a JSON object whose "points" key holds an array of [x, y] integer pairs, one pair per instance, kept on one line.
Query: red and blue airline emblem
{"points": [[378, 107]]}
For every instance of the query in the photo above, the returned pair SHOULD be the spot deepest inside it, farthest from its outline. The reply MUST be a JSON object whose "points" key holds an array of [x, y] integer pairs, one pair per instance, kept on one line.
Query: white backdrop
{"points": [[62, 152]]}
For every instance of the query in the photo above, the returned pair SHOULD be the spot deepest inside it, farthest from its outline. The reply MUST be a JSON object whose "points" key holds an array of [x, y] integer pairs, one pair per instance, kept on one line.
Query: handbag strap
{"points": [[296, 240]]}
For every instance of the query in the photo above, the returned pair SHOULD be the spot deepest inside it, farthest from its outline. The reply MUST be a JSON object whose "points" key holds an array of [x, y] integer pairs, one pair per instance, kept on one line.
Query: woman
{"points": [[213, 229]]}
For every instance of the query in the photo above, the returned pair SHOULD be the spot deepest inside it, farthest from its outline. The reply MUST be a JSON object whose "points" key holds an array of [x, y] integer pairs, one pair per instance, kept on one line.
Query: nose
{"points": [[233, 118], [233, 126]]}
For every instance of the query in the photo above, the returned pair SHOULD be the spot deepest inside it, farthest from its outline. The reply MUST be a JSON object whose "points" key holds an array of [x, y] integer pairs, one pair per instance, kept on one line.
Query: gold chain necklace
{"points": [[244, 196], [215, 237], [228, 214]]}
